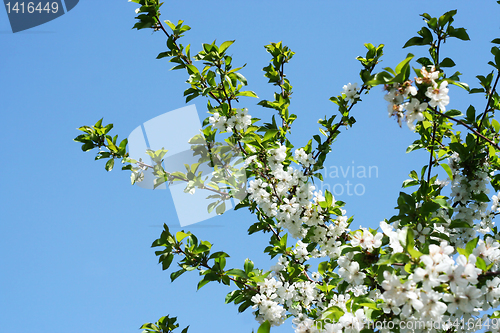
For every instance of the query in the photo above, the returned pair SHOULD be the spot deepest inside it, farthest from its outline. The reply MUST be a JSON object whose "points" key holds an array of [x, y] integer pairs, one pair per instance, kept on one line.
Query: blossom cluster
{"points": [[438, 260], [240, 121], [442, 288], [350, 90], [442, 284], [465, 188], [274, 294], [402, 97], [445, 285], [288, 196], [285, 193]]}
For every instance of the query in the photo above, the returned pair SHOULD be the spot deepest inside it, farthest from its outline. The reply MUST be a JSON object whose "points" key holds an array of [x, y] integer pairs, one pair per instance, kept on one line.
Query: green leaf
{"points": [[442, 203], [424, 61], [170, 24], [462, 85], [403, 63], [496, 314], [413, 147], [237, 272], [429, 207], [496, 125], [328, 198], [333, 312], [453, 112], [247, 93], [400, 258], [109, 164], [476, 90], [175, 275], [225, 45], [211, 206], [88, 146], [459, 224], [384, 260], [202, 283], [167, 261], [180, 235], [414, 41], [218, 254], [447, 18], [99, 123], [447, 62], [410, 243], [323, 267], [471, 245], [409, 183], [192, 69], [163, 55], [497, 58], [264, 328], [459, 33], [481, 264], [248, 266], [471, 114], [481, 197], [221, 208], [447, 168], [192, 96], [150, 326], [271, 133], [371, 305], [242, 79]]}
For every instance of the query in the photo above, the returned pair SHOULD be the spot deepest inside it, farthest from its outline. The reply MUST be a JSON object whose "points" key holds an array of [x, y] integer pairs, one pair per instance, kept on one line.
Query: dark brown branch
{"points": [[458, 121], [432, 152], [490, 96], [161, 26], [486, 274]]}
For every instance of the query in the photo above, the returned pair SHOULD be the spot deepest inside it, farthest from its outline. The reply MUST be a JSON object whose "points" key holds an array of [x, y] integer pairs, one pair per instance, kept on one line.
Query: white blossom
{"points": [[350, 91], [414, 111], [439, 96]]}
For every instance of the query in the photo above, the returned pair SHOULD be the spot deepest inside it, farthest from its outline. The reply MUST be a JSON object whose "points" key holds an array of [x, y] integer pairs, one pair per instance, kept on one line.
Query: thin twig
{"points": [[204, 264], [490, 96], [203, 187], [282, 81], [466, 126], [332, 133], [432, 152], [161, 26], [485, 274], [186, 59]]}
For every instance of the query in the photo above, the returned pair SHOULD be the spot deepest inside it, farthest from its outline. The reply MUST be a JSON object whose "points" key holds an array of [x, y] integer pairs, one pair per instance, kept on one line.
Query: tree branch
{"points": [[458, 121], [432, 152], [224, 194], [490, 96]]}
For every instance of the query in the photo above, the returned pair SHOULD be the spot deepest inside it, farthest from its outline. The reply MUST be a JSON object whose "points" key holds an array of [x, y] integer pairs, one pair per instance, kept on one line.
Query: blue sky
{"points": [[75, 240]]}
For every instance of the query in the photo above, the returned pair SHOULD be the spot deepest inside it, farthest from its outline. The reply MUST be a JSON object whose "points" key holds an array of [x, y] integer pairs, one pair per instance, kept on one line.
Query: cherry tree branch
{"points": [[224, 194], [490, 96], [458, 121], [432, 151]]}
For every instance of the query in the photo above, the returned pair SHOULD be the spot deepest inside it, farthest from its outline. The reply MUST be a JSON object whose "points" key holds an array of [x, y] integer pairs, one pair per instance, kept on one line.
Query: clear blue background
{"points": [[75, 240]]}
